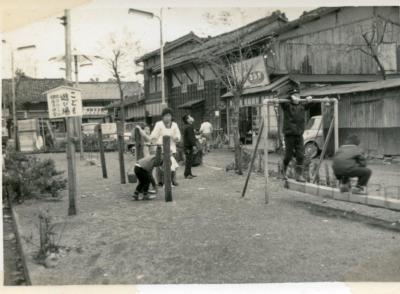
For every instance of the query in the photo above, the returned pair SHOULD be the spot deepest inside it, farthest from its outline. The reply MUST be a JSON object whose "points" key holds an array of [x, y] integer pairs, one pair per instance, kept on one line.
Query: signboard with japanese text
{"points": [[64, 102], [109, 128], [94, 110], [258, 72]]}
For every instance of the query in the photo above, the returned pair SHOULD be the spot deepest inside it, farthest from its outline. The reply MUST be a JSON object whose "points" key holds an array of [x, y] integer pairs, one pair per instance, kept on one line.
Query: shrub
{"points": [[28, 176]]}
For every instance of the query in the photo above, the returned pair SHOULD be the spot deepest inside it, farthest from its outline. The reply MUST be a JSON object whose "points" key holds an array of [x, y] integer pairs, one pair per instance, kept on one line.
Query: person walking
{"points": [[349, 162], [189, 145], [293, 129], [206, 130], [167, 127]]}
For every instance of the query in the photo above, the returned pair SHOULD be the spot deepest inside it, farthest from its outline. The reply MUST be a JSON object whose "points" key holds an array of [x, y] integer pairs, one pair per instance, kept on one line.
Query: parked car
{"points": [[313, 136]]}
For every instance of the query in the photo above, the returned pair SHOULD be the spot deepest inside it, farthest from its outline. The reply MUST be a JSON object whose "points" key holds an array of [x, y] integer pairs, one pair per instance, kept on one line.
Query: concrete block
{"points": [[394, 204], [357, 198], [325, 191], [311, 189], [341, 196], [376, 201], [296, 186]]}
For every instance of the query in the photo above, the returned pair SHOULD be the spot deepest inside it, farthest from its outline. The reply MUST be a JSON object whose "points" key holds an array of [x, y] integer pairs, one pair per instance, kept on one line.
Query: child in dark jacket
{"points": [[143, 171], [293, 129], [350, 162]]}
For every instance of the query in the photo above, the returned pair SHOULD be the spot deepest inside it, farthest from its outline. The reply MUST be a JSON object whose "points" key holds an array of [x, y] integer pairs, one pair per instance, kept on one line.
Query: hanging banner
{"points": [[94, 110]]}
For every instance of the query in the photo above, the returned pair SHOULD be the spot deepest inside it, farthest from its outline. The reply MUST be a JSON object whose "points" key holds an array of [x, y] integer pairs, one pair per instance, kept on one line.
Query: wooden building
{"points": [[32, 103], [322, 47], [369, 110]]}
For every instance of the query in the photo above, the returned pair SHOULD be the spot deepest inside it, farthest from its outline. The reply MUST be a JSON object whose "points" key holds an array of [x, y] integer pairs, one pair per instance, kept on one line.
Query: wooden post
{"points": [[72, 190], [101, 149], [336, 118], [321, 158], [121, 148], [327, 177], [253, 157], [138, 145], [167, 168], [266, 126]]}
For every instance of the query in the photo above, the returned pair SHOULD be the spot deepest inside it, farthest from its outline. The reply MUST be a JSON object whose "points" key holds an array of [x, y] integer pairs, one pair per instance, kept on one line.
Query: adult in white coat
{"points": [[166, 127]]}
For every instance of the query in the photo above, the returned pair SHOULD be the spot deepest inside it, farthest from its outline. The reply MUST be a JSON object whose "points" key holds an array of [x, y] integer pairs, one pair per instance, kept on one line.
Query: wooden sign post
{"points": [[66, 102], [167, 168], [101, 149]]}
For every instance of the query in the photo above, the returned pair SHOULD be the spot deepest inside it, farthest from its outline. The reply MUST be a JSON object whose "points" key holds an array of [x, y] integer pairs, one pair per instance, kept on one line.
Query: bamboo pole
{"points": [[265, 119], [253, 156]]}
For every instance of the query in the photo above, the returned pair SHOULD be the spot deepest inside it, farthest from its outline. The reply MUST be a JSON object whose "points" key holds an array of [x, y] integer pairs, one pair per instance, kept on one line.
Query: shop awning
{"points": [[267, 88], [190, 104]]}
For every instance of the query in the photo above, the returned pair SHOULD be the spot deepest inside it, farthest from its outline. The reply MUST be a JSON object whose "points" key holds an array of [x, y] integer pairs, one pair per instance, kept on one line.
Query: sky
{"points": [[91, 25]]}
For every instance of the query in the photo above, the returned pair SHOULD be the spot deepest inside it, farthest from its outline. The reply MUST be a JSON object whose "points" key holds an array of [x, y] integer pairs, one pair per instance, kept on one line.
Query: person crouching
{"points": [[143, 171], [350, 162]]}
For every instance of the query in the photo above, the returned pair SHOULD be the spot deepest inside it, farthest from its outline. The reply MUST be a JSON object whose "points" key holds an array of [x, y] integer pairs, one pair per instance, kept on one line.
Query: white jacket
{"points": [[160, 130]]}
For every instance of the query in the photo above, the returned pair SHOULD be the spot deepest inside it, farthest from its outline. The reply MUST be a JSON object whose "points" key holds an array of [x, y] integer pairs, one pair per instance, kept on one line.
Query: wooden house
{"points": [[369, 110]]}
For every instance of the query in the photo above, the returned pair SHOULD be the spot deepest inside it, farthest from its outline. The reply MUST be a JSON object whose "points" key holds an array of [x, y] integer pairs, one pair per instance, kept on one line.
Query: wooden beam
{"points": [[176, 76], [198, 71], [187, 74]]}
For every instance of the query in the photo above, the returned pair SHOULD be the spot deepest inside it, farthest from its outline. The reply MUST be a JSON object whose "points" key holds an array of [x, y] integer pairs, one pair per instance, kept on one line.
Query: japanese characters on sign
{"points": [[94, 110], [258, 75], [64, 102]]}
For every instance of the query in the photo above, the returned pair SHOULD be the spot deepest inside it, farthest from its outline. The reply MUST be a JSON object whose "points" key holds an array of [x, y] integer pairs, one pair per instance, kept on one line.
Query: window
{"points": [[184, 81], [152, 84], [200, 80], [158, 83]]}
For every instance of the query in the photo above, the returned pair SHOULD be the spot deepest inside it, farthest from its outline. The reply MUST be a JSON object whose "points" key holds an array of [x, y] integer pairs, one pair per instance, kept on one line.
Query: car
{"points": [[313, 136]]}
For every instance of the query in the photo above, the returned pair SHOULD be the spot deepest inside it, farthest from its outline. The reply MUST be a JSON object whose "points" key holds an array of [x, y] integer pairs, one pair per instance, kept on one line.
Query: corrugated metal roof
{"points": [[351, 88]]}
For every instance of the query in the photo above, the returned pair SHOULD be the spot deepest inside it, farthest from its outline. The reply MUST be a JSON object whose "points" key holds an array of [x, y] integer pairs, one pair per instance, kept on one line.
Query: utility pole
{"points": [[15, 122], [163, 102], [72, 186], [78, 119]]}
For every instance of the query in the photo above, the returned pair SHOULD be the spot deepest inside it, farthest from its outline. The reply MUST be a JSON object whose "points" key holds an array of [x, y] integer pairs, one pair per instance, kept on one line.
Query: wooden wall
{"points": [[211, 94], [374, 109], [328, 45]]}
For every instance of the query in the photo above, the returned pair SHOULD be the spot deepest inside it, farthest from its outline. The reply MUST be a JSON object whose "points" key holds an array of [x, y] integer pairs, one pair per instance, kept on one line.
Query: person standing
{"points": [[189, 145], [206, 130], [166, 127], [293, 129]]}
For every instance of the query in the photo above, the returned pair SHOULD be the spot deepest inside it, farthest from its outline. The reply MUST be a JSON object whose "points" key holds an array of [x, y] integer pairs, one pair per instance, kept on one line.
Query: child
{"points": [[350, 162], [143, 171], [293, 129]]}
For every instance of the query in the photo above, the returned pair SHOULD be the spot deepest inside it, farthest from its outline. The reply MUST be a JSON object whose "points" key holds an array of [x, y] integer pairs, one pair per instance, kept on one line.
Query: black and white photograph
{"points": [[161, 143]]}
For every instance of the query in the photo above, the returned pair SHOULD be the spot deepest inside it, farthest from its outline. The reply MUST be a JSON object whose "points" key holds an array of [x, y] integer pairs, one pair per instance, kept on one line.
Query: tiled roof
{"points": [[168, 46], [249, 34], [32, 90], [107, 90]]}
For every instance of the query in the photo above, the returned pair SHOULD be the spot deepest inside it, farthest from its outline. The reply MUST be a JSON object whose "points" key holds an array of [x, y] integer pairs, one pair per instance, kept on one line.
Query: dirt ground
{"points": [[208, 234]]}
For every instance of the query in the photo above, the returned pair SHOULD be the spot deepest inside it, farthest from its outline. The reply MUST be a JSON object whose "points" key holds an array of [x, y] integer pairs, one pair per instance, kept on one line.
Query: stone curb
{"points": [[332, 193]]}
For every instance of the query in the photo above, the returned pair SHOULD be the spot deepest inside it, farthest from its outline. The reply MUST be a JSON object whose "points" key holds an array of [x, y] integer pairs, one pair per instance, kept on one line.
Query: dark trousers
{"points": [[144, 179], [294, 146], [362, 173], [188, 161]]}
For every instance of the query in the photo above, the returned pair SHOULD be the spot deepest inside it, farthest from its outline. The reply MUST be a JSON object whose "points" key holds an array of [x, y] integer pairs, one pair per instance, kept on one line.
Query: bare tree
{"points": [[373, 40], [227, 60], [118, 52]]}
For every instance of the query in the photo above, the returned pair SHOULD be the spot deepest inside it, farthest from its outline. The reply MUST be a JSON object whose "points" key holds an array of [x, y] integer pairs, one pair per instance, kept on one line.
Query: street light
{"points": [[152, 15], [13, 90]]}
